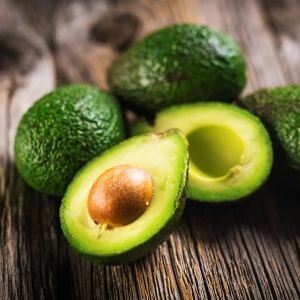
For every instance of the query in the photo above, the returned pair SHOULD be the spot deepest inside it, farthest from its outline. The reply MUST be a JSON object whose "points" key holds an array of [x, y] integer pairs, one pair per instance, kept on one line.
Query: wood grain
{"points": [[245, 250]]}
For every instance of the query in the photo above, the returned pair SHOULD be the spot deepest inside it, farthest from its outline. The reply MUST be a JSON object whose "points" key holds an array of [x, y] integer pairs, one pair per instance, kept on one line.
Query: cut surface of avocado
{"points": [[165, 157], [230, 150]]}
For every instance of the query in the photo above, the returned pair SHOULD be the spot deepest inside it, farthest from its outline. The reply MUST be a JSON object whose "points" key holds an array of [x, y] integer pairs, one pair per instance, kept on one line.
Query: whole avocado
{"points": [[178, 64], [279, 108], [61, 132]]}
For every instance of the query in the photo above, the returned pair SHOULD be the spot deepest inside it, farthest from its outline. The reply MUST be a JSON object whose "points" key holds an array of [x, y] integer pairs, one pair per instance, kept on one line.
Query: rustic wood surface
{"points": [[245, 250]]}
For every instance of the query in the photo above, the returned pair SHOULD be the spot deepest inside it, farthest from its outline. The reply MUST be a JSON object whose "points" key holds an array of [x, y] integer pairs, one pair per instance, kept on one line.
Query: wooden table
{"points": [[245, 250]]}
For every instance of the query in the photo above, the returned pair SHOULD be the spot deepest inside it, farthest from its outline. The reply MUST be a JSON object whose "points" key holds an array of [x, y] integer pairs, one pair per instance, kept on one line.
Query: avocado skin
{"points": [[178, 64], [279, 109], [62, 131]]}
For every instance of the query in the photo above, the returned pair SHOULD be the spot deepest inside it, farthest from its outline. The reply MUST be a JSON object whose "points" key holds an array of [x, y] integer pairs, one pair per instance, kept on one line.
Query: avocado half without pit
{"points": [[125, 202], [230, 150]]}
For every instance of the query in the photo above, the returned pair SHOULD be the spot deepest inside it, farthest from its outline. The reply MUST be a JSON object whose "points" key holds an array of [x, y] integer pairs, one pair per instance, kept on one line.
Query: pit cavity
{"points": [[214, 150]]}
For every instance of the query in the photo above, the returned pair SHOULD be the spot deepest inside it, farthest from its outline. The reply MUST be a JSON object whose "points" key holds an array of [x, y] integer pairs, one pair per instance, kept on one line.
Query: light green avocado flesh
{"points": [[165, 157], [230, 150]]}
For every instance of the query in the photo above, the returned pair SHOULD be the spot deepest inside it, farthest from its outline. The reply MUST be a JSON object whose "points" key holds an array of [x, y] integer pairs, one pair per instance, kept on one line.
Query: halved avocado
{"points": [[230, 150], [165, 157]]}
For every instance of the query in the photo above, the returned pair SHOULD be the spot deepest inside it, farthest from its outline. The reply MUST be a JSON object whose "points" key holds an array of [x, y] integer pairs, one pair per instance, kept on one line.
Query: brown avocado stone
{"points": [[126, 201], [120, 195]]}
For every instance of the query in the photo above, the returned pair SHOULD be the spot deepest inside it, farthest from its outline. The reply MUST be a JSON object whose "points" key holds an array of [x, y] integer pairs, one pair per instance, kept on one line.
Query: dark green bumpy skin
{"points": [[61, 132], [179, 64], [279, 108]]}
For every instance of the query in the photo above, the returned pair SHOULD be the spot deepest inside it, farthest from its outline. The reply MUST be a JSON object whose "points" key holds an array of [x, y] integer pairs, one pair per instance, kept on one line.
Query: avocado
{"points": [[61, 132], [165, 157], [140, 127], [279, 108], [230, 149], [178, 64]]}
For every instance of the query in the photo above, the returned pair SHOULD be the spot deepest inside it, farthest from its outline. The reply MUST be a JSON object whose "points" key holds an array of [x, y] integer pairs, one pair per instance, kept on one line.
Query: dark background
{"points": [[244, 250]]}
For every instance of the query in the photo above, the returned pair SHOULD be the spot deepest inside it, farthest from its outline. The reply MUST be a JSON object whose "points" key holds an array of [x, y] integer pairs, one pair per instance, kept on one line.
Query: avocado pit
{"points": [[120, 195]]}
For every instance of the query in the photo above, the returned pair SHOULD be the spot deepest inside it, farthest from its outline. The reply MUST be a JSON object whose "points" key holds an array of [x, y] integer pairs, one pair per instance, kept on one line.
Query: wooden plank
{"points": [[26, 73], [88, 36], [282, 18], [246, 250]]}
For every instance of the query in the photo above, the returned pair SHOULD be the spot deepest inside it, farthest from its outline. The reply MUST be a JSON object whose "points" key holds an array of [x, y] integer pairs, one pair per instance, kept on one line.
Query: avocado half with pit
{"points": [[230, 150], [102, 214]]}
